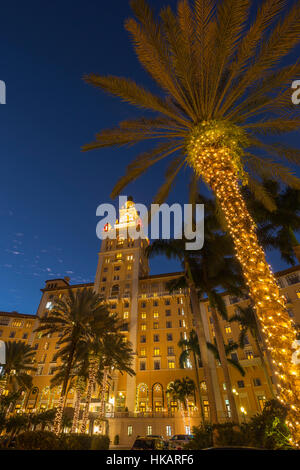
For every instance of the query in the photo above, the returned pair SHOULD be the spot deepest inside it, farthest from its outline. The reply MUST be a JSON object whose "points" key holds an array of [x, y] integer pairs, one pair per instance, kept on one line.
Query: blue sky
{"points": [[49, 189]]}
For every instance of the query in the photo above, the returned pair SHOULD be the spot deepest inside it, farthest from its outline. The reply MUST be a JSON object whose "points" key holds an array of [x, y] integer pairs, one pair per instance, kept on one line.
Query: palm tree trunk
{"points": [[103, 390], [204, 355], [91, 382], [77, 406], [199, 388], [220, 173], [264, 368], [224, 364]]}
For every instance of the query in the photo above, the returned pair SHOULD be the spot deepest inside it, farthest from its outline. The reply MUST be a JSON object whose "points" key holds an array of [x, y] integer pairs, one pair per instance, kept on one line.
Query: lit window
{"points": [[129, 267], [227, 329], [124, 339], [171, 364], [155, 315], [149, 430], [119, 255], [16, 323], [125, 315], [143, 352], [168, 431], [155, 325], [143, 315], [249, 354], [129, 257], [143, 327], [129, 430], [156, 351]]}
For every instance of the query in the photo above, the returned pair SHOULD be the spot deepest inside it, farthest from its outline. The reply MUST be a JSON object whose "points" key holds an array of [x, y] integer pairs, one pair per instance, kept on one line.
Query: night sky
{"points": [[49, 189]]}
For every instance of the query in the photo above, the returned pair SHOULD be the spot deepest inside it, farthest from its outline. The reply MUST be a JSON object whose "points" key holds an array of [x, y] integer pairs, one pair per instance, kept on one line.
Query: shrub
{"points": [[228, 434], [37, 440], [100, 443], [202, 437], [75, 442]]}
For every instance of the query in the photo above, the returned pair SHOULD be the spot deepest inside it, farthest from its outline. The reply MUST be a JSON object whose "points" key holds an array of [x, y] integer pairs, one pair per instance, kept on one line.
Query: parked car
{"points": [[148, 443], [178, 441], [166, 443]]}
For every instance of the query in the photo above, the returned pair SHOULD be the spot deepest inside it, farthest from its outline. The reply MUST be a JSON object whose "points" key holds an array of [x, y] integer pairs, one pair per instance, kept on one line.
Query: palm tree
{"points": [[19, 364], [219, 97], [105, 353], [277, 227], [245, 316], [190, 347], [229, 348], [206, 271], [76, 318], [181, 390], [176, 249]]}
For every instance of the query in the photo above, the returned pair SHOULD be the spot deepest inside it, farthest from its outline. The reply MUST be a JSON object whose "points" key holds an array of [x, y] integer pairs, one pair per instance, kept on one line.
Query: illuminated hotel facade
{"points": [[153, 321]]}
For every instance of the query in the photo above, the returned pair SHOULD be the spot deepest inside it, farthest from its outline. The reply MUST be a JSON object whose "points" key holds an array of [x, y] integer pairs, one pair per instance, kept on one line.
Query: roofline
{"points": [[17, 314]]}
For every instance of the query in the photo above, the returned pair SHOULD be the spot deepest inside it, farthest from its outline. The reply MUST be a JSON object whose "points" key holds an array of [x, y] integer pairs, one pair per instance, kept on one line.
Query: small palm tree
{"points": [[19, 364], [180, 390], [104, 354], [76, 318], [220, 94], [190, 347], [245, 316]]}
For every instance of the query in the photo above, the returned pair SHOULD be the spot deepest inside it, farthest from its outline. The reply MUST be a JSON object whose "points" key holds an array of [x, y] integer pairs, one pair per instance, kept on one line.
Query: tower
{"points": [[121, 263]]}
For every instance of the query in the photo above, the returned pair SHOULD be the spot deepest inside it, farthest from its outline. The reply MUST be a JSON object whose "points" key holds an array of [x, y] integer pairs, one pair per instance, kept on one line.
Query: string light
{"points": [[214, 152]]}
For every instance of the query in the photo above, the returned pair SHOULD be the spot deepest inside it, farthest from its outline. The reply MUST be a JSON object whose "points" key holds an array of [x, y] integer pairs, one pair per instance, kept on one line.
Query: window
{"points": [[155, 325], [168, 431], [249, 354], [143, 327], [143, 339], [25, 336], [261, 401], [187, 430], [105, 270], [125, 315], [143, 352], [116, 278], [129, 430], [156, 365], [227, 329], [143, 315], [12, 334], [241, 384], [155, 315], [129, 257], [246, 339], [168, 324], [234, 357], [155, 303], [228, 408], [156, 352], [156, 338], [171, 364], [170, 351], [1, 333], [290, 312], [169, 337], [149, 430], [16, 323], [298, 294], [142, 365], [129, 268], [257, 382], [167, 302], [143, 304], [168, 313], [117, 268]]}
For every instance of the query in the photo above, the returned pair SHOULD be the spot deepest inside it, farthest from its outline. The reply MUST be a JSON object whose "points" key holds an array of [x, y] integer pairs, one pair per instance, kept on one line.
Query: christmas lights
{"points": [[214, 151]]}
